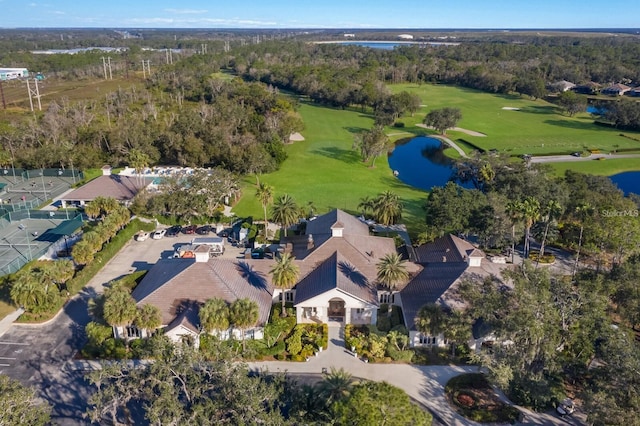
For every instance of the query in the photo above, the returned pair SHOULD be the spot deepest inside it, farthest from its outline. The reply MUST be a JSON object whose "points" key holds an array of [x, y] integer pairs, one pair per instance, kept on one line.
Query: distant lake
{"points": [[421, 163], [390, 45], [627, 182]]}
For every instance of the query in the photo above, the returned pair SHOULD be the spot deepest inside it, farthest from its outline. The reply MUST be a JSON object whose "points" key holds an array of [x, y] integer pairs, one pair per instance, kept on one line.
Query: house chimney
{"points": [[444, 259], [310, 244], [202, 254]]}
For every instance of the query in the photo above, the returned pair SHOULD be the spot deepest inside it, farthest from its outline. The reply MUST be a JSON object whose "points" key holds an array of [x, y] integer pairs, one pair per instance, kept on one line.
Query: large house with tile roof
{"points": [[337, 258], [445, 263], [121, 188]]}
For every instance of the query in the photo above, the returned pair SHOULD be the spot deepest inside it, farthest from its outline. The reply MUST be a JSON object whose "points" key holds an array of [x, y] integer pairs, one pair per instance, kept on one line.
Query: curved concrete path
{"points": [[423, 383]]}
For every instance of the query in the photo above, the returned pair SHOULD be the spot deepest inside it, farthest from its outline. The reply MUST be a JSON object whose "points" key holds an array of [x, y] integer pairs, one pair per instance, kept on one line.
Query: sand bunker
{"points": [[511, 108], [296, 137]]}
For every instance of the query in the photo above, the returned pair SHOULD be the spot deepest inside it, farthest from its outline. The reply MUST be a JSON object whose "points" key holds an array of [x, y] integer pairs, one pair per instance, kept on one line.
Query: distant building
{"points": [[405, 36], [634, 92], [589, 88], [349, 36], [13, 73], [616, 90], [561, 86]]}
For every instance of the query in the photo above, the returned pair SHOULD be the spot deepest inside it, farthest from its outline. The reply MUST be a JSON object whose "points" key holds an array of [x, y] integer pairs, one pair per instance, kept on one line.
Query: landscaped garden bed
{"points": [[472, 396]]}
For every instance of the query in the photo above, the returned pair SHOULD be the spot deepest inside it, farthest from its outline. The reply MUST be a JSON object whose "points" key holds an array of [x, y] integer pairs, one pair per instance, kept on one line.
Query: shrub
{"points": [[98, 333], [294, 342], [384, 322]]}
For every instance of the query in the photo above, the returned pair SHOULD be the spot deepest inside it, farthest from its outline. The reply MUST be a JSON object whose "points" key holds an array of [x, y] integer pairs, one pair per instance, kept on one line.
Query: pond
{"points": [[421, 163], [628, 182]]}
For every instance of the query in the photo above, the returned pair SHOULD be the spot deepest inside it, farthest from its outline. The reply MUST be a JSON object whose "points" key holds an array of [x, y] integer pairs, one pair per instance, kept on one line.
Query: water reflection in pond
{"points": [[421, 163]]}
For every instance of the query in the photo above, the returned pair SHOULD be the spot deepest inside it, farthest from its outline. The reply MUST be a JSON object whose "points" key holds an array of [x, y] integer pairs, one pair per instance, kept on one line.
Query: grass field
{"points": [[606, 167], [537, 128], [325, 170]]}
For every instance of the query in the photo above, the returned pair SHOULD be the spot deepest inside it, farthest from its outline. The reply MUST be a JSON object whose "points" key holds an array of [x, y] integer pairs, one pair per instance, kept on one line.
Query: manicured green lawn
{"points": [[325, 170], [538, 127], [606, 167]]}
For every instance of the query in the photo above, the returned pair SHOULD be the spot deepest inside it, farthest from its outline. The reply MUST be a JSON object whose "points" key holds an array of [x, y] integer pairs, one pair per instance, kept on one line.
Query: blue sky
{"points": [[320, 14]]}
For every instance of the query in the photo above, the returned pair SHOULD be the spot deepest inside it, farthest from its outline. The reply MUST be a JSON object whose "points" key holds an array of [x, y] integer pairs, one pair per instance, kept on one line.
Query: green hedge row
{"points": [[109, 250], [82, 277]]}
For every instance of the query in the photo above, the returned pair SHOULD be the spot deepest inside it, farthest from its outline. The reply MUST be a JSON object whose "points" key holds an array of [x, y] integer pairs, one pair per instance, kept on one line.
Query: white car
{"points": [[141, 236], [158, 234]]}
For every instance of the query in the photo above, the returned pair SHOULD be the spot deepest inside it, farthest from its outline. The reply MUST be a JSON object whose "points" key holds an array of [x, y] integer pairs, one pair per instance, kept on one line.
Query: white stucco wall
{"points": [[321, 303]]}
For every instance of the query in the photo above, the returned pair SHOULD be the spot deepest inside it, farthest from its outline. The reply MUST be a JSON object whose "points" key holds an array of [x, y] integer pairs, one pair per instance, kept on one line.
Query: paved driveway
{"points": [[36, 354]]}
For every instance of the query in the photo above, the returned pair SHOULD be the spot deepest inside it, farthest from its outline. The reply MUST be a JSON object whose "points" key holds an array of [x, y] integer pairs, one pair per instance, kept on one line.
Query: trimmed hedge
{"points": [[109, 250], [75, 284]]}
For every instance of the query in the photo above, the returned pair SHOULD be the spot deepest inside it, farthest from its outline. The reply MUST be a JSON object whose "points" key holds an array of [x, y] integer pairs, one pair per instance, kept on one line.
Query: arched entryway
{"points": [[336, 311]]}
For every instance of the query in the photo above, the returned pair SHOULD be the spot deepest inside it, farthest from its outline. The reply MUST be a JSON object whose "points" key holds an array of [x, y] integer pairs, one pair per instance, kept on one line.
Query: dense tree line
{"points": [[509, 203], [182, 386], [191, 121]]}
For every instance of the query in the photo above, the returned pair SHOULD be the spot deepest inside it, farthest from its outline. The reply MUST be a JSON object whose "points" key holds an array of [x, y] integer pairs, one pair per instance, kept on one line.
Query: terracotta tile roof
{"points": [[336, 219], [122, 188], [179, 285], [438, 281], [453, 248], [336, 272]]}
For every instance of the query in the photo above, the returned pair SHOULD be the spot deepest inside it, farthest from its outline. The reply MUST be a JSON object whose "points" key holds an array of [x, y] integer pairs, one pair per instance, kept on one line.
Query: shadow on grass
{"points": [[354, 130], [577, 125], [345, 155], [534, 109], [6, 304]]}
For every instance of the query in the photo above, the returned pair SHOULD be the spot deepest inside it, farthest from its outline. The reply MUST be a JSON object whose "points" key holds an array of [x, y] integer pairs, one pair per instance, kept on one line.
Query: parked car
{"points": [[566, 407], [203, 230], [576, 154], [158, 234], [141, 236], [173, 231], [189, 229]]}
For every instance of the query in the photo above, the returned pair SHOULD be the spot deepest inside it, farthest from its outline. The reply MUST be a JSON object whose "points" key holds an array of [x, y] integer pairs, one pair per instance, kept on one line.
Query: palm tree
{"points": [[582, 211], [138, 160], [430, 319], [457, 329], [551, 211], [285, 212], [336, 386], [27, 292], [93, 210], [214, 315], [365, 205], [530, 209], [284, 275], [387, 208], [392, 270], [119, 307], [243, 314], [514, 210], [264, 194], [83, 252], [148, 318]]}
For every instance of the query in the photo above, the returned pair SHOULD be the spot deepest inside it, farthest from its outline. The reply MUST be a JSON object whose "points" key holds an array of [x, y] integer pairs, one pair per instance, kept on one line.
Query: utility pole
{"points": [[146, 68], [169, 56], [35, 93], [109, 62], [104, 67], [4, 103]]}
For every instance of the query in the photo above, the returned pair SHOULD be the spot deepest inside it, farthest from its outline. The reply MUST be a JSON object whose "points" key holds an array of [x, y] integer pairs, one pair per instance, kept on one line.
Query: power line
{"points": [[4, 103], [35, 93]]}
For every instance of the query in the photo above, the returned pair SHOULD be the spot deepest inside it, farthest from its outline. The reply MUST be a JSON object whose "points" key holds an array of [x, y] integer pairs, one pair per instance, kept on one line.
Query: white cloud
{"points": [[186, 11]]}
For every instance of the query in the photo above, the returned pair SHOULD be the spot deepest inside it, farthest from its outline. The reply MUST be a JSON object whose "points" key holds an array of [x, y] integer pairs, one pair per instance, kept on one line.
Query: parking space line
{"points": [[15, 343], [4, 357], [5, 365]]}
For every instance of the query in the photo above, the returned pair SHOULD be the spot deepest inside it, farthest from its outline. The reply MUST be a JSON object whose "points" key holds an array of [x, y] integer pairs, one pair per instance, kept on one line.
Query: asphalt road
{"points": [[36, 354]]}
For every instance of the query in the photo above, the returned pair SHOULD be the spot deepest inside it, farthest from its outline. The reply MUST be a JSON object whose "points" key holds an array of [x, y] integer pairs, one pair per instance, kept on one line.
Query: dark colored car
{"points": [[203, 230], [173, 231], [190, 229]]}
